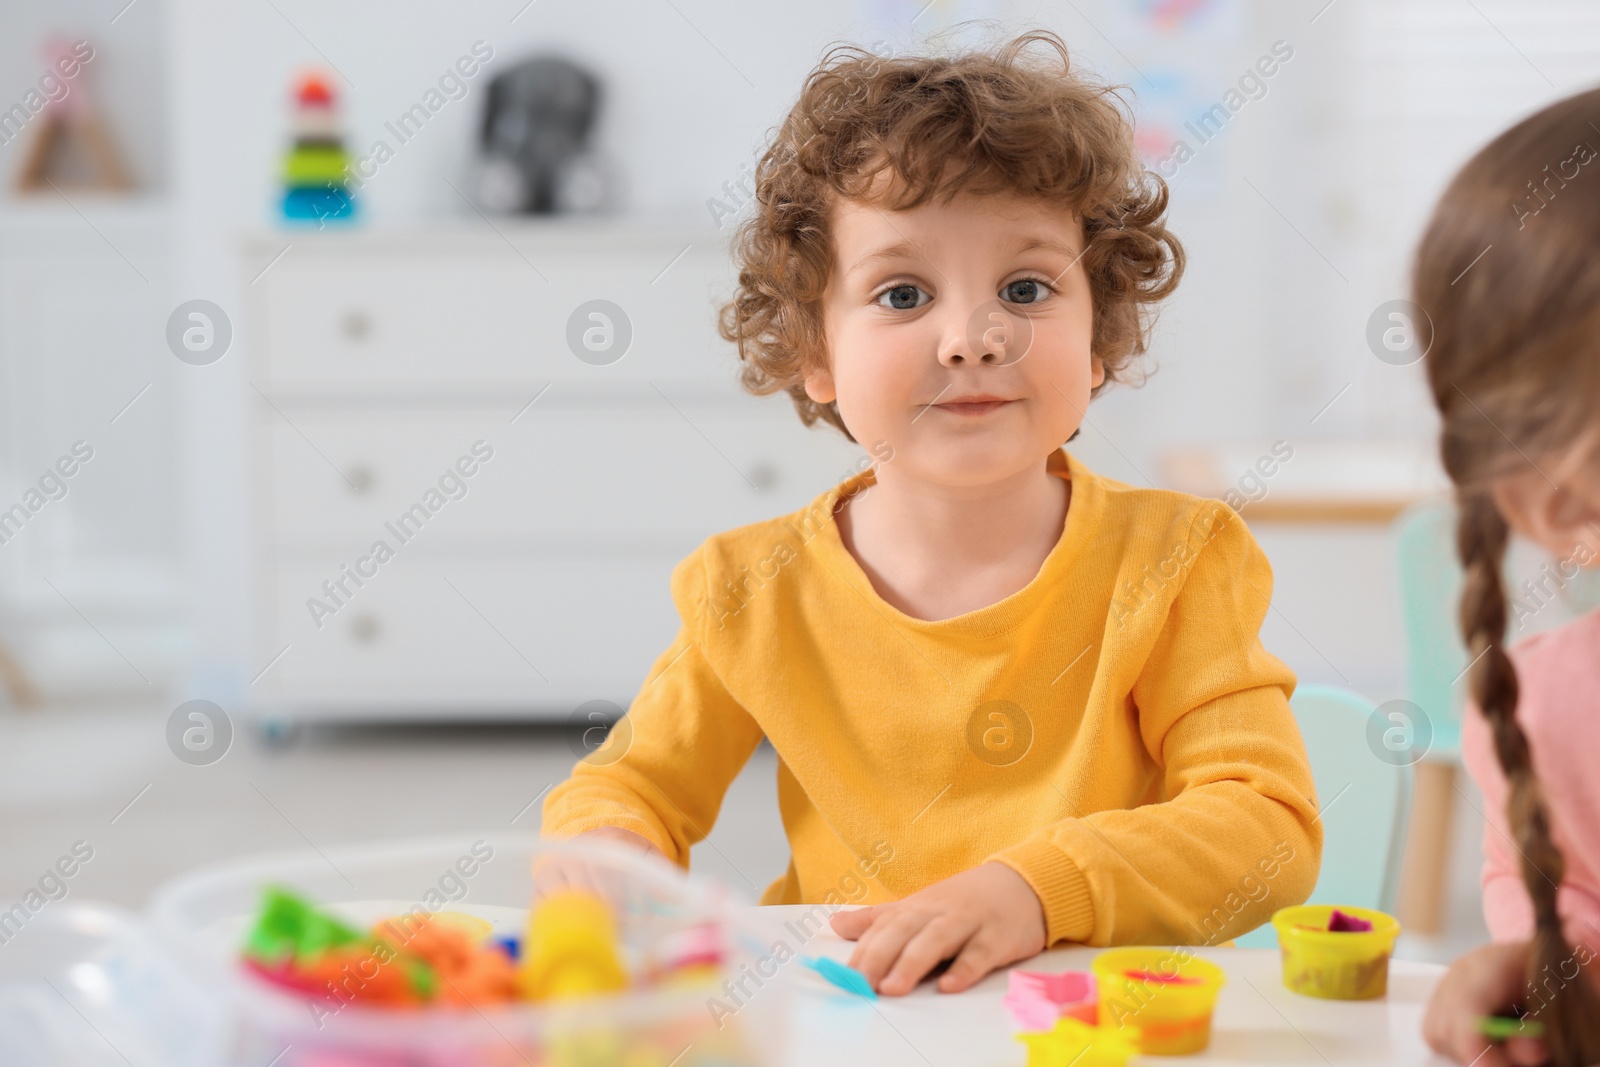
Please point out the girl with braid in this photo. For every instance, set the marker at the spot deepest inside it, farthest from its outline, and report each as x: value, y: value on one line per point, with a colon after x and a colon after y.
x: 1509, y: 275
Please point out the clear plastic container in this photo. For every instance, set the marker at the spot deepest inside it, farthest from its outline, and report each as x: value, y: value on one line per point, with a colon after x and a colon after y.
x: 206, y: 915
x: 85, y: 985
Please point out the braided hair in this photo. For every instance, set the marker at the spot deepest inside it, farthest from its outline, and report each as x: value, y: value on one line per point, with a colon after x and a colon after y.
x: 1510, y: 293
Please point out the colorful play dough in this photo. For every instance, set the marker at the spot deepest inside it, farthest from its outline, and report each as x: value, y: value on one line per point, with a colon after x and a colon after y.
x: 1341, y: 923
x: 570, y: 949
x: 452, y: 960
x: 294, y: 945
x: 1036, y: 999
x: 692, y: 957
x: 470, y: 973
x: 1074, y: 1043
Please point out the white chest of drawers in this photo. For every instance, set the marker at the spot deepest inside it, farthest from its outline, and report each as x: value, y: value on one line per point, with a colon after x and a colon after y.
x: 417, y: 391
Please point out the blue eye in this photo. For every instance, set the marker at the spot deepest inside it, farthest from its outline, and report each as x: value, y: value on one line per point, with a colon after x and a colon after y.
x: 1027, y: 291
x: 902, y: 297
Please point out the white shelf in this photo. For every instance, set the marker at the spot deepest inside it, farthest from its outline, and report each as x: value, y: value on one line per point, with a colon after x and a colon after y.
x: 47, y: 208
x: 473, y: 233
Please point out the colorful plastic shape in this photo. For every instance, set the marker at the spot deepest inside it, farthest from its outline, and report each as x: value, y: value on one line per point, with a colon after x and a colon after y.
x: 846, y: 978
x: 471, y: 972
x: 1037, y: 999
x: 696, y: 945
x: 1074, y: 1043
x: 316, y: 169
x: 692, y: 956
x: 1505, y: 1027
x: 1319, y: 961
x: 329, y: 977
x: 571, y: 949
x: 314, y: 91
x: 296, y: 945
x: 288, y: 926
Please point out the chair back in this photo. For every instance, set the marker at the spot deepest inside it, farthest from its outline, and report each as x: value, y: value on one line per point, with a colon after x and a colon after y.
x: 1430, y: 590
x: 1365, y: 803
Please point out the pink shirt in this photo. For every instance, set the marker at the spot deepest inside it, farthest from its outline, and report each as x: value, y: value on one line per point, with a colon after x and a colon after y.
x: 1559, y: 709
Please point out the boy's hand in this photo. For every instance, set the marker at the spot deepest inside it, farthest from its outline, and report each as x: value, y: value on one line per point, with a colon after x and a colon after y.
x: 558, y: 871
x: 986, y: 918
x: 1486, y: 981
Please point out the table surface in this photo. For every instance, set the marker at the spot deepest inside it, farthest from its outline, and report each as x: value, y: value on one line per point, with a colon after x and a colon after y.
x: 1257, y: 1020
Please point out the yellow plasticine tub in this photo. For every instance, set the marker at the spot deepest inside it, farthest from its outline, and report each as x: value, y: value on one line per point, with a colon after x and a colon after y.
x: 1337, y: 966
x: 1164, y: 996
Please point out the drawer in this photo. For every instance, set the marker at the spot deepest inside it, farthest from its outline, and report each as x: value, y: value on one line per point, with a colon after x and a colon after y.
x: 468, y: 633
x: 612, y: 476
x: 459, y: 322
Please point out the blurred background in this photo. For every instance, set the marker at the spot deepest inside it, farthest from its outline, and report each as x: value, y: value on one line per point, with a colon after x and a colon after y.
x: 280, y: 281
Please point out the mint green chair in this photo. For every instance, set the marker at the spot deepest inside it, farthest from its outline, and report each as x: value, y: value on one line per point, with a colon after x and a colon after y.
x: 1430, y: 591
x: 1430, y: 581
x: 1365, y: 805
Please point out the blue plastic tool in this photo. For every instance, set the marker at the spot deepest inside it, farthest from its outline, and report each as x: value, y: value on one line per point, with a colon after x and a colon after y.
x: 846, y: 978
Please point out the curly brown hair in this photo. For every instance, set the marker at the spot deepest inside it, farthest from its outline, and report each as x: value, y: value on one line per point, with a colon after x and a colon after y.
x: 979, y: 122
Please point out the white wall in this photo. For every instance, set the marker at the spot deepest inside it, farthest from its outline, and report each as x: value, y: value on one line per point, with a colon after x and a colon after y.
x: 1344, y: 152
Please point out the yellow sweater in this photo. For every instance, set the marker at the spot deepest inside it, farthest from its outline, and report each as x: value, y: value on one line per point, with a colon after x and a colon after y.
x: 1113, y: 731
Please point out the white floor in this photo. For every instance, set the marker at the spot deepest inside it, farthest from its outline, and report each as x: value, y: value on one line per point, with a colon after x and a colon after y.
x: 104, y: 775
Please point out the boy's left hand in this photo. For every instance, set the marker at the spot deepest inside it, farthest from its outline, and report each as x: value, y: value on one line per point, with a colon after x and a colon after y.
x: 986, y: 918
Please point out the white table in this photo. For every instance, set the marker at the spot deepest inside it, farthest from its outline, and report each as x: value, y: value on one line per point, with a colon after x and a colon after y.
x: 1257, y: 1020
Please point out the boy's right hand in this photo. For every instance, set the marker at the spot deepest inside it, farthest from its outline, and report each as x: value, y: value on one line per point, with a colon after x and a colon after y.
x: 1486, y: 981
x: 557, y: 870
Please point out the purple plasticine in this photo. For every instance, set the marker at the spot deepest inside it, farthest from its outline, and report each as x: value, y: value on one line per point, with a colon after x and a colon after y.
x: 1340, y: 923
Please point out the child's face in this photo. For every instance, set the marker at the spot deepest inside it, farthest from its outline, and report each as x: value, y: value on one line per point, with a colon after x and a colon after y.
x: 946, y: 301
x: 1556, y: 504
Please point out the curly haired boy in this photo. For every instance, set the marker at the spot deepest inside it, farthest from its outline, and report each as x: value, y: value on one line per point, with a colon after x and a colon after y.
x: 1014, y: 703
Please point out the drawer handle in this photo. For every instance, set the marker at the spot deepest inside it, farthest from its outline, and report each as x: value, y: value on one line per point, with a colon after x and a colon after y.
x: 356, y: 325
x: 361, y: 478
x: 365, y: 629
